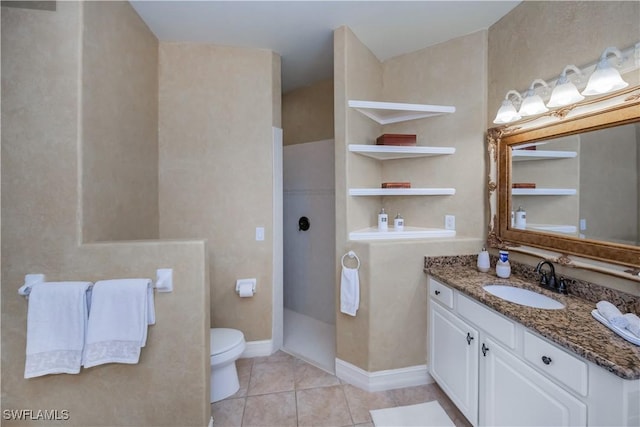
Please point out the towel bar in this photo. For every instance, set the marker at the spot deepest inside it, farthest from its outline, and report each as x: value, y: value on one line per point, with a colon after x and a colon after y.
x: 163, y: 283
x: 350, y: 254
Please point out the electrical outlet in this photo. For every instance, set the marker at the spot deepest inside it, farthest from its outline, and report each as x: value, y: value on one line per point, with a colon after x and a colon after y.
x: 449, y: 222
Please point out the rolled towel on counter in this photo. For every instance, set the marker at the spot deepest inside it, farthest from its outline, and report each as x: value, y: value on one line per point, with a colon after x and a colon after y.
x: 612, y: 314
x: 634, y: 324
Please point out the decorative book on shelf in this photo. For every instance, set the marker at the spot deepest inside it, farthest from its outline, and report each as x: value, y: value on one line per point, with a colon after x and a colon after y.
x: 523, y: 185
x: 396, y: 185
x: 396, y: 139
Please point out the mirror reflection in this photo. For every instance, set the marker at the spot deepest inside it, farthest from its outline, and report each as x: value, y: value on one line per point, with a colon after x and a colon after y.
x: 584, y: 185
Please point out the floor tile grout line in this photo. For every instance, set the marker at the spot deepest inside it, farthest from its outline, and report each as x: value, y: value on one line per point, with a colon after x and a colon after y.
x: 348, y: 406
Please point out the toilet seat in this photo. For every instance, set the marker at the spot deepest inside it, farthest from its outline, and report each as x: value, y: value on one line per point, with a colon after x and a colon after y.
x: 225, y: 339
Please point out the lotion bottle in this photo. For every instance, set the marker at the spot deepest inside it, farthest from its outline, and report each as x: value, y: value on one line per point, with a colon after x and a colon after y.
x: 483, y: 261
x: 383, y: 221
x: 398, y: 223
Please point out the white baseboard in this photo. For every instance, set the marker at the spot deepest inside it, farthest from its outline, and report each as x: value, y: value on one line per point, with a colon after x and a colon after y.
x: 383, y: 380
x: 258, y: 349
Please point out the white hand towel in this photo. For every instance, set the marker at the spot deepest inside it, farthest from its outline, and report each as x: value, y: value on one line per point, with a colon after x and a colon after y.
x: 349, y: 291
x: 612, y: 314
x: 634, y: 324
x: 121, y: 311
x: 56, y: 324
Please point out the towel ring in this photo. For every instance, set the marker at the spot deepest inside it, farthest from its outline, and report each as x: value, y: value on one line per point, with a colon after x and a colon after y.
x: 350, y: 254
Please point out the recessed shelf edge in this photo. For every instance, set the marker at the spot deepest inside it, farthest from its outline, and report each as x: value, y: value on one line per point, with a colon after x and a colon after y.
x: 393, y: 112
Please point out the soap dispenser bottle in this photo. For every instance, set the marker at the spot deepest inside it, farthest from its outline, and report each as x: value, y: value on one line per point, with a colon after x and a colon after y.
x: 503, y: 268
x: 483, y: 261
x: 383, y: 221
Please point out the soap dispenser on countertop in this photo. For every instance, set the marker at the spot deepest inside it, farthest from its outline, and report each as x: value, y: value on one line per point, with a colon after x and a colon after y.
x: 483, y: 261
x: 503, y: 268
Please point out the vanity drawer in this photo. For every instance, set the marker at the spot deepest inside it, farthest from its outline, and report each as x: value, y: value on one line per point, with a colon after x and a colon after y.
x: 441, y: 293
x: 557, y: 363
x: 493, y: 323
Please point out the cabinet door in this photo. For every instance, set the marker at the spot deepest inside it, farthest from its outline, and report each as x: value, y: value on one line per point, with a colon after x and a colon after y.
x: 453, y: 353
x: 514, y: 394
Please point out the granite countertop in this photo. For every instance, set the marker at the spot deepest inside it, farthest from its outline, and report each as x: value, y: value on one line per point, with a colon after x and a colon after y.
x: 572, y: 328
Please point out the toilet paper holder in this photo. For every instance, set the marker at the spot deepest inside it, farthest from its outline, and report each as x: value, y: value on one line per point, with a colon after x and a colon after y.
x: 243, y: 283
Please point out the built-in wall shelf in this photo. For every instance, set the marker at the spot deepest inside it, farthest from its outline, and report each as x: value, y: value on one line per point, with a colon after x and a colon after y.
x: 543, y: 192
x: 402, y: 191
x: 565, y: 229
x: 523, y: 155
x: 392, y: 112
x: 390, y: 152
x: 372, y: 233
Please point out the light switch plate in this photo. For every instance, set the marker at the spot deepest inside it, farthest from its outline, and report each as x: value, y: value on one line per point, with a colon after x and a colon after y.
x: 259, y: 233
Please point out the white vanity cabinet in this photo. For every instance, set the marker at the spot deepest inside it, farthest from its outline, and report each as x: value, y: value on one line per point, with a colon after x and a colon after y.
x: 499, y: 373
x: 514, y: 394
x: 454, y: 359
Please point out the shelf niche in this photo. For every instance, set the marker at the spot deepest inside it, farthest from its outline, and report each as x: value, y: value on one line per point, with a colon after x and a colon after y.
x: 386, y: 113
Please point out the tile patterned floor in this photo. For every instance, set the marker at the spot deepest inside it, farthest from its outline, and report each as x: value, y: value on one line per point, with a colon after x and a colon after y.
x: 281, y: 391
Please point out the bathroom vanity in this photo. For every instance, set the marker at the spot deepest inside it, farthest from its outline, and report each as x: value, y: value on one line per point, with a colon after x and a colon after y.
x: 503, y: 363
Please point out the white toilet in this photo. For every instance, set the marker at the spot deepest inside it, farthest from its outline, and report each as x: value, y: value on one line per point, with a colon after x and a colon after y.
x: 226, y: 346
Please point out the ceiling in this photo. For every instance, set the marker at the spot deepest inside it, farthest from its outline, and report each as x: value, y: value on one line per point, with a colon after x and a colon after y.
x: 302, y: 31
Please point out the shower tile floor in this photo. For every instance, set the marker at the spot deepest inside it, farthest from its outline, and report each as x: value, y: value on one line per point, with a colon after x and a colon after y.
x: 281, y: 390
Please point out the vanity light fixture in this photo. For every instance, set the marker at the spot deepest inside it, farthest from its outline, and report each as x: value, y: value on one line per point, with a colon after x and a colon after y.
x: 565, y: 92
x: 532, y: 103
x: 605, y: 78
x: 507, y: 112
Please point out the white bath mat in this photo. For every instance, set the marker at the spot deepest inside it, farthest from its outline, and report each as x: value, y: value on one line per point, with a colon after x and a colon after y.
x: 428, y: 414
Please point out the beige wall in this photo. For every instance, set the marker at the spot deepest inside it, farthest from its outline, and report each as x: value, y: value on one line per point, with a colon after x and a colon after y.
x: 537, y: 39
x: 216, y: 169
x: 42, y: 176
x: 357, y: 75
x: 393, y: 311
x: 307, y: 113
x: 119, y: 125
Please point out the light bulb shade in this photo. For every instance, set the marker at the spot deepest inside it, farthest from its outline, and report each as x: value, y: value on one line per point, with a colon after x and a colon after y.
x: 564, y: 94
x: 604, y: 79
x: 532, y: 104
x: 507, y: 113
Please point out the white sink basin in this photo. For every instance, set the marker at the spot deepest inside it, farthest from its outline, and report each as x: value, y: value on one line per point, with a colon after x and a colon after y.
x: 523, y: 297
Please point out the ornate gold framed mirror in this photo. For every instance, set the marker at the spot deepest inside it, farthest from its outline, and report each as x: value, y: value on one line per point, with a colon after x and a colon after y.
x: 571, y: 178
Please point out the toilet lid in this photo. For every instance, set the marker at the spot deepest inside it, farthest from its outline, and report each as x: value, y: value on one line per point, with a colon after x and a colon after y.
x: 224, y: 339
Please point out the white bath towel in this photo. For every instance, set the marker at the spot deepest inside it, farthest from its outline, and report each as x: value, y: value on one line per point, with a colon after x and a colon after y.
x: 121, y: 311
x: 612, y: 314
x: 634, y: 323
x: 349, y: 291
x: 56, y: 324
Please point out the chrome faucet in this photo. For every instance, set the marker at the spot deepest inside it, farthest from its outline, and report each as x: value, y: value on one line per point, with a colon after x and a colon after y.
x: 550, y: 282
